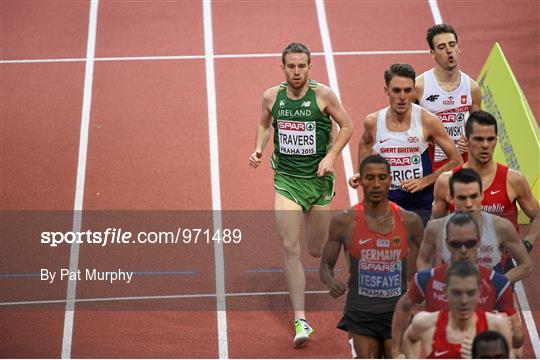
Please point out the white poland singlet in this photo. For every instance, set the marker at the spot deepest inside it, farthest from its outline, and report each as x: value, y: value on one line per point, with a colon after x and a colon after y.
x: 451, y: 107
x: 488, y: 254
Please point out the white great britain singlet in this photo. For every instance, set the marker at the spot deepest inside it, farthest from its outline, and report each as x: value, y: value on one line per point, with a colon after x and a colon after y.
x: 452, y: 109
x: 406, y: 152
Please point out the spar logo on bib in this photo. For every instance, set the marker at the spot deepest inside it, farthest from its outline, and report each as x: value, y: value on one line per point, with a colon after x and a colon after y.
x: 399, y: 161
x: 403, y: 160
x: 379, y: 278
x: 297, y: 137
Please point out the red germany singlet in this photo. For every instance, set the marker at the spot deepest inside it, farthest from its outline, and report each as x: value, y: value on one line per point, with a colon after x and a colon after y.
x: 440, y: 347
x: 378, y: 265
x: 496, y: 200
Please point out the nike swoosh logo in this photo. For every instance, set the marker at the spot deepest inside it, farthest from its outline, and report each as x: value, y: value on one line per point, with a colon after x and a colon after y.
x: 440, y: 353
x: 495, y: 192
x: 362, y: 242
x: 383, y: 141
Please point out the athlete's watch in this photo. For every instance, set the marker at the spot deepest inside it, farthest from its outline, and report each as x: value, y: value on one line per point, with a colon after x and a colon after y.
x: 528, y: 245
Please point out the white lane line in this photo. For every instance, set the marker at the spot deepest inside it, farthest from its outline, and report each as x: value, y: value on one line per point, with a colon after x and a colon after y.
x: 218, y: 56
x: 215, y: 179
x: 437, y: 18
x: 81, y: 173
x: 528, y: 317
x: 156, y: 297
x: 333, y: 82
x: 32, y: 61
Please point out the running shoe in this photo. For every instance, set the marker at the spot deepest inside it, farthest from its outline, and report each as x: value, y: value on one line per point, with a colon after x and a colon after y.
x: 303, y: 330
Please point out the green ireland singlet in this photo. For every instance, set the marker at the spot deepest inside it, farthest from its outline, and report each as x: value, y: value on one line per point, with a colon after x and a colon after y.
x: 302, y: 133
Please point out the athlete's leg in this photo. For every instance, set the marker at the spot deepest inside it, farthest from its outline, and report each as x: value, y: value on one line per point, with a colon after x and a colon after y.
x: 387, y: 348
x: 366, y: 347
x: 317, y: 223
x: 289, y: 221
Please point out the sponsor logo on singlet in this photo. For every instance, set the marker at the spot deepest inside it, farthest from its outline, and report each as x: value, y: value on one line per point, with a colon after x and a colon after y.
x: 440, y: 353
x: 403, y: 160
x: 432, y: 98
x: 495, y: 209
x: 449, y: 101
x: 297, y: 137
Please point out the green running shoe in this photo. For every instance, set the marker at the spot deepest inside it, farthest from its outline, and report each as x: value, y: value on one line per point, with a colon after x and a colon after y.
x: 303, y: 330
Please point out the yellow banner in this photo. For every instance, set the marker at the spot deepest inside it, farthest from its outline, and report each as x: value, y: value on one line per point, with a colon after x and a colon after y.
x: 518, y: 145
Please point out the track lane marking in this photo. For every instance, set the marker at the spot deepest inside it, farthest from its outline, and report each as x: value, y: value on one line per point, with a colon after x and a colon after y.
x: 528, y: 318
x: 333, y: 82
x: 435, y: 11
x: 215, y: 179
x: 155, y: 297
x: 81, y: 173
x: 218, y: 56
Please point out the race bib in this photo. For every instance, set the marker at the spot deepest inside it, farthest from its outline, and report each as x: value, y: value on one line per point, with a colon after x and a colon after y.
x: 297, y: 137
x: 454, y: 124
x: 404, y: 168
x: 379, y: 279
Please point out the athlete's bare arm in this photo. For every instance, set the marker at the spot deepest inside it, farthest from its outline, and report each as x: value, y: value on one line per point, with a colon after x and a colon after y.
x: 400, y: 321
x: 367, y: 140
x: 415, y: 231
x: 330, y: 105
x: 428, y: 249
x: 499, y: 323
x: 508, y: 237
x: 418, y: 89
x: 520, y: 190
x: 337, y: 237
x: 263, y: 129
x: 414, y: 226
x: 441, y: 196
x: 417, y: 333
x: 463, y: 144
x: 434, y: 132
x: 476, y: 96
x: 365, y: 145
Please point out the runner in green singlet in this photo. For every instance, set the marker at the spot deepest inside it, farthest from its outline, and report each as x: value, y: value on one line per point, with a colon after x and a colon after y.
x: 301, y: 112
